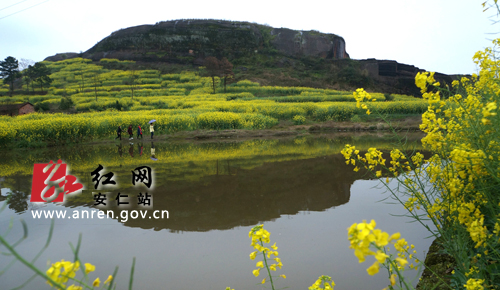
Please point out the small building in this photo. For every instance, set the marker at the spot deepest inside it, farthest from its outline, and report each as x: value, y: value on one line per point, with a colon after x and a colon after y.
x: 17, y: 109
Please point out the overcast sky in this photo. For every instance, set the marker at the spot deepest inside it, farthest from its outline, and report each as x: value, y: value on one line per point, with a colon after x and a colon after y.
x: 435, y: 35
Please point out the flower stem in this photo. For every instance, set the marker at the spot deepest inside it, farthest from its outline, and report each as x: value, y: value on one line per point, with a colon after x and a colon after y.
x: 267, y: 267
x: 29, y: 265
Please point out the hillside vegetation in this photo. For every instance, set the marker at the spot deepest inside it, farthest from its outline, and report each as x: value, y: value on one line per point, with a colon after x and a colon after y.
x: 105, y: 95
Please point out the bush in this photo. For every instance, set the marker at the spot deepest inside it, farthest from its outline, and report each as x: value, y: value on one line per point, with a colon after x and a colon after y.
x: 219, y: 120
x: 41, y: 107
x: 66, y: 103
x: 118, y: 106
x: 299, y: 120
x: 356, y: 118
x: 389, y: 97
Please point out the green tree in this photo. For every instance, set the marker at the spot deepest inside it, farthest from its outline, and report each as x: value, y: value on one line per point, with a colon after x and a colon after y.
x: 29, y: 77
x: 41, y: 74
x: 9, y: 71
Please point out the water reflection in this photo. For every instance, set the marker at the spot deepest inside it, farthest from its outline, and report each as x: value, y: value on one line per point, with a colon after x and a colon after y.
x: 153, y: 152
x: 17, y: 196
x: 235, y: 196
x: 209, y: 188
x: 233, y: 183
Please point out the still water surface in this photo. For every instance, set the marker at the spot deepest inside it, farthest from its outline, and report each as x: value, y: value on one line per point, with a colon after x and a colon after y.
x: 214, y: 192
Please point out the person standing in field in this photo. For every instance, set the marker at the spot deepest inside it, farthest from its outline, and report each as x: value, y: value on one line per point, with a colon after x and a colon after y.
x: 119, y: 132
x: 139, y: 131
x: 130, y: 132
x: 152, y: 130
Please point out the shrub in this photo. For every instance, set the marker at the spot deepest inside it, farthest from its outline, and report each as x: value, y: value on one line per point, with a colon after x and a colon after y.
x: 66, y: 103
x: 356, y: 118
x: 299, y: 120
x: 41, y: 107
x: 389, y: 97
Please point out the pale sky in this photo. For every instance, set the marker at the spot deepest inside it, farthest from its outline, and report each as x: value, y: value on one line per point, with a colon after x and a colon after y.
x: 434, y: 35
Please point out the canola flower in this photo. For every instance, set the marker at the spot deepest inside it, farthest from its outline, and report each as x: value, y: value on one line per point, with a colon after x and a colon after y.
x: 62, y: 271
x: 259, y: 237
x: 323, y: 283
x: 474, y: 284
x: 366, y: 241
x: 457, y: 185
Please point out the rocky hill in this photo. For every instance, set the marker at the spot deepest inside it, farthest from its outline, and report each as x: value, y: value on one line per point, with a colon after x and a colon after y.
x: 177, y: 40
x: 271, y: 56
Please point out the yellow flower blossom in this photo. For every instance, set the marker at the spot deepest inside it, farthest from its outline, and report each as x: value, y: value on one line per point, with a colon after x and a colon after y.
x: 393, y: 279
x: 256, y: 272
x: 373, y: 269
x: 89, y: 268
x: 96, y: 282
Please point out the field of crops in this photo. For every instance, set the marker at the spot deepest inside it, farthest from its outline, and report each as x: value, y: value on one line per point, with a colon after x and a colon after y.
x: 107, y: 98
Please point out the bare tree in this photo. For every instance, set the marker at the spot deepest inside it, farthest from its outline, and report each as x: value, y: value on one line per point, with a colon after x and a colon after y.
x: 81, y: 74
x: 226, y: 69
x: 213, y: 68
x: 24, y: 64
x: 96, y: 81
x: 131, y: 81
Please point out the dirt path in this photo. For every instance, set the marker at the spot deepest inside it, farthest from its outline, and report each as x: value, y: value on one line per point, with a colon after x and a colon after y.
x: 281, y: 131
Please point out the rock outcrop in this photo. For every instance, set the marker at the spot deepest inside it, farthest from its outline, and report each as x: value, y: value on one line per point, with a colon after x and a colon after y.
x: 308, y: 43
x: 62, y: 56
x: 398, y: 77
x: 196, y: 39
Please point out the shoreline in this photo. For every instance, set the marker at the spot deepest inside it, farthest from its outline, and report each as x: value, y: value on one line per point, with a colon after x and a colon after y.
x: 410, y: 124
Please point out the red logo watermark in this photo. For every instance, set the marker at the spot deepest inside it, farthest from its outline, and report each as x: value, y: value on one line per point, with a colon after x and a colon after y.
x: 51, y: 182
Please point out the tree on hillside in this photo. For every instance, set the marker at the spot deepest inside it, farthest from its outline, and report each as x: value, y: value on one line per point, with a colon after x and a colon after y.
x: 213, y: 68
x: 96, y: 81
x: 29, y: 77
x: 41, y: 74
x: 81, y: 83
x: 131, y: 81
x: 9, y: 71
x: 226, y: 69
x: 24, y: 64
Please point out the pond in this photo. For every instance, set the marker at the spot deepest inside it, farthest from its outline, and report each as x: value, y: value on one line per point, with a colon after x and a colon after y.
x: 211, y: 194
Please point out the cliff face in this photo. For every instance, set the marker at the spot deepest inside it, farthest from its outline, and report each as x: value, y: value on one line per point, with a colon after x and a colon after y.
x: 309, y: 43
x: 398, y: 77
x: 197, y: 39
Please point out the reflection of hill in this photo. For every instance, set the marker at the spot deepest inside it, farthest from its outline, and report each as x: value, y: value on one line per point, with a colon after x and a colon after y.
x: 243, y: 197
x: 207, y: 186
x: 19, y: 193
